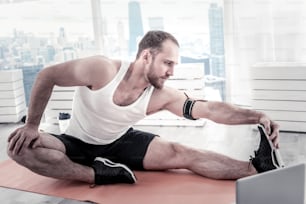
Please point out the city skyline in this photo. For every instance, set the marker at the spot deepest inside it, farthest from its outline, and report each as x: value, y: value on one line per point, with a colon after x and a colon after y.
x: 53, y: 43
x: 192, y: 43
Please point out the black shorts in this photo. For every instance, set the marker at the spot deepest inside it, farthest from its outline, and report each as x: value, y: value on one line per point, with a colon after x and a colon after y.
x: 129, y: 149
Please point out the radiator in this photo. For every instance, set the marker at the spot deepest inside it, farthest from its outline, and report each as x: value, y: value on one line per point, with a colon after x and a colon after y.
x: 279, y: 90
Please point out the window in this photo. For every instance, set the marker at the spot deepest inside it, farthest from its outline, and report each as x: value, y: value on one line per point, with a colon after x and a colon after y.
x: 35, y: 34
x: 264, y: 31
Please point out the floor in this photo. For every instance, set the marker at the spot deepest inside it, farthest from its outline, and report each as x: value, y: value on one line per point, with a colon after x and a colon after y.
x: 236, y: 141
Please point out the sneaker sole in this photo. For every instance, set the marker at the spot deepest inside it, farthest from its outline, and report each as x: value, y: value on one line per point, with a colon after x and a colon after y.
x: 109, y: 163
x: 275, y: 154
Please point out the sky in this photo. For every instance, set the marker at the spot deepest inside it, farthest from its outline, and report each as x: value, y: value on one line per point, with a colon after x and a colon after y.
x: 43, y: 17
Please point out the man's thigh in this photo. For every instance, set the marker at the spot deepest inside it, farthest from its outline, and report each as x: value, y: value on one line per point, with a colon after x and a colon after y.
x: 52, y: 142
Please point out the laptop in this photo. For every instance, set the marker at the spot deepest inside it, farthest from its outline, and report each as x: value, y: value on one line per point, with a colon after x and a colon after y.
x: 280, y: 186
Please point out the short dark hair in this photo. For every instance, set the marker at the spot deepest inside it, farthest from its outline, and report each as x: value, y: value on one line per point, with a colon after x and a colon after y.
x: 153, y: 40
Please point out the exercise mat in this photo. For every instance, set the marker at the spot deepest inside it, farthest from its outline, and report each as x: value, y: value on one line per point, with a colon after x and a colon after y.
x: 152, y: 187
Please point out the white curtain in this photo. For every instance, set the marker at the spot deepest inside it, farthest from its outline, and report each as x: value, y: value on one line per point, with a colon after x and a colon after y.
x: 260, y: 31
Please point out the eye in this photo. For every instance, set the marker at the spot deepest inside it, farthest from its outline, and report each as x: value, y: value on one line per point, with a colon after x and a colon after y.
x: 169, y: 63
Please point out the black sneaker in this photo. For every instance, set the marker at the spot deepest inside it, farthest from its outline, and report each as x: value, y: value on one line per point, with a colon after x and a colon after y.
x: 267, y: 156
x: 108, y: 172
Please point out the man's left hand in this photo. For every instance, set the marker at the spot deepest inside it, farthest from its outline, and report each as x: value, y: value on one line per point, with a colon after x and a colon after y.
x: 272, y: 129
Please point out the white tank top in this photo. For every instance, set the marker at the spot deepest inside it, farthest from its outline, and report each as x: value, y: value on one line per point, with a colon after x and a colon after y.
x: 97, y: 120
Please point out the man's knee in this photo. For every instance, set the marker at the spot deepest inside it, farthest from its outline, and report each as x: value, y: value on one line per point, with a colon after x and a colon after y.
x: 32, y: 158
x: 23, y: 158
x: 179, y: 153
x: 9, y: 153
x: 178, y: 149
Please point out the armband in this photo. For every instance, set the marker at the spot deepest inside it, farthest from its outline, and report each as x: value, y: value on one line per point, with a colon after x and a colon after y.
x: 187, y: 108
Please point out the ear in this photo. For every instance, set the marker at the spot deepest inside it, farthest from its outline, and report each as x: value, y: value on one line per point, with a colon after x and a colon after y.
x: 146, y: 55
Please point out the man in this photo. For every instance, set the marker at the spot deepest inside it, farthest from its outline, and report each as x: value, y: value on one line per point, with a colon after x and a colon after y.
x: 100, y: 146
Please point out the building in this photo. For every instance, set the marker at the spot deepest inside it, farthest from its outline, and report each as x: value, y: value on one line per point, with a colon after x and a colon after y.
x: 29, y: 75
x: 216, y: 33
x: 135, y: 26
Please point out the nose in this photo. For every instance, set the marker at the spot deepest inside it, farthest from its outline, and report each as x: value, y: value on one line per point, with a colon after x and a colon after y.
x: 170, y: 71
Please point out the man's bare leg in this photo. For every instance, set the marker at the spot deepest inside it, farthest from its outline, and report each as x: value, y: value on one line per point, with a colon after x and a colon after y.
x: 50, y: 160
x: 162, y: 155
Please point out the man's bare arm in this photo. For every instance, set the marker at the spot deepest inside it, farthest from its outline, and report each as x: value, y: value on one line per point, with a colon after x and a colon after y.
x: 71, y: 73
x: 221, y: 112
x: 225, y: 113
x: 82, y: 72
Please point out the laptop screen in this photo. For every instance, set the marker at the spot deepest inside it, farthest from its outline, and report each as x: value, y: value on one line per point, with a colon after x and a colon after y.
x: 280, y: 186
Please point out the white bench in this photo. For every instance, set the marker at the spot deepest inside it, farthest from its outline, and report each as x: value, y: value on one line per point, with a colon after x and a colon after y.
x: 60, y: 101
x: 12, y: 98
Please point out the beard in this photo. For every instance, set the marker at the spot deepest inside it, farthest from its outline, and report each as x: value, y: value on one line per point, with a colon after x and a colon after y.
x: 154, y: 80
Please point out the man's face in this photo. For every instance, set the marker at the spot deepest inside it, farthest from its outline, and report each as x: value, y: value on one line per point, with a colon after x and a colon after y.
x: 162, y: 65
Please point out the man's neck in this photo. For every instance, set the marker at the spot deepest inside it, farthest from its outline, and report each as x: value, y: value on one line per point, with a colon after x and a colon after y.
x: 135, y: 77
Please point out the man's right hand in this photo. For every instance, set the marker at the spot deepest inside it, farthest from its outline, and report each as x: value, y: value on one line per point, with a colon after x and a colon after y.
x: 22, y: 138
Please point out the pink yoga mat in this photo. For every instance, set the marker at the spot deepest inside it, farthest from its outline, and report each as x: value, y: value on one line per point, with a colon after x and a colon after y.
x: 179, y: 187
